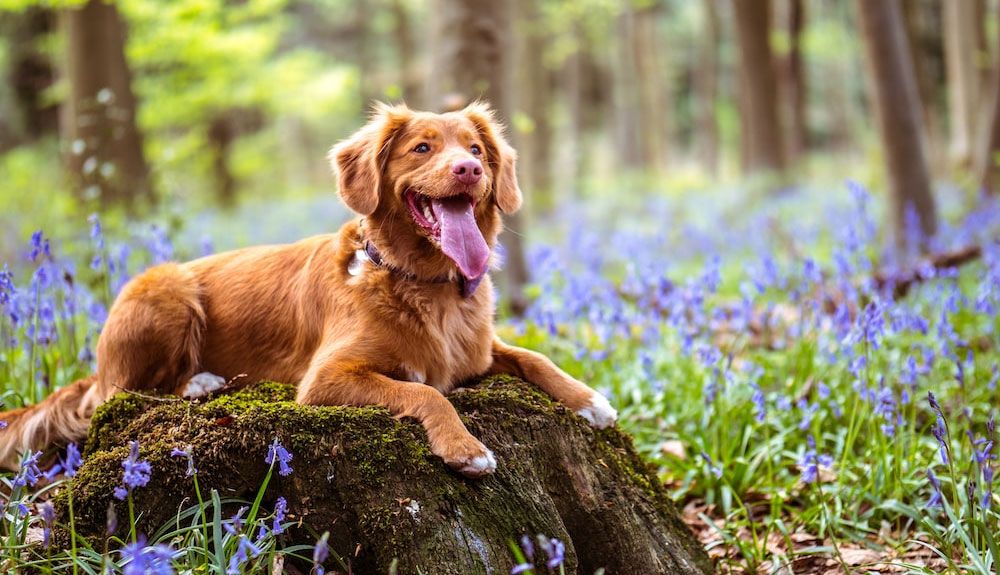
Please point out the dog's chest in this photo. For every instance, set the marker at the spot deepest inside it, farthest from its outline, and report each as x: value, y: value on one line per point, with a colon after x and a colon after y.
x: 449, y: 345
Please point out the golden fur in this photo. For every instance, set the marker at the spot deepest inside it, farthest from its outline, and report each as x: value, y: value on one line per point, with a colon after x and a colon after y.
x: 295, y: 313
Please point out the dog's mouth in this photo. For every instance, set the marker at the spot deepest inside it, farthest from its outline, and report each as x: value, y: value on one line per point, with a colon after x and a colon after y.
x: 450, y: 223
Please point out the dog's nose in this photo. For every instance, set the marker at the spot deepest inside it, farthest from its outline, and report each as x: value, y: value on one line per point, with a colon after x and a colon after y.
x: 467, y: 171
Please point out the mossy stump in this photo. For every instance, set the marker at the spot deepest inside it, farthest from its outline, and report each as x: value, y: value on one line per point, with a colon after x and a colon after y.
x: 371, y: 481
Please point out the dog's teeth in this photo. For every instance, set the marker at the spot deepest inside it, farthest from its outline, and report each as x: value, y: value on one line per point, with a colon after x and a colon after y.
x: 428, y: 214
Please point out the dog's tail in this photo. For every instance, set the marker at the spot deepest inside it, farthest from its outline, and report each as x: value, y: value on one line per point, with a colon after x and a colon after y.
x: 62, y: 417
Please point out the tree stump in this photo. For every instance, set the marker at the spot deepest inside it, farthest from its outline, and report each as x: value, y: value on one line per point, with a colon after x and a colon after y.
x: 371, y: 481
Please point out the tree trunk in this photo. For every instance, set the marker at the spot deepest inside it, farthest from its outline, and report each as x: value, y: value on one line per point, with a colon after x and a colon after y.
x: 472, y: 62
x: 963, y: 76
x: 706, y: 79
x: 221, y: 133
x: 406, y: 51
x: 794, y: 83
x: 640, y: 103
x: 535, y: 141
x: 29, y: 74
x: 988, y: 156
x: 758, y: 85
x: 370, y: 480
x: 893, y: 89
x: 103, y: 144
x: 925, y: 51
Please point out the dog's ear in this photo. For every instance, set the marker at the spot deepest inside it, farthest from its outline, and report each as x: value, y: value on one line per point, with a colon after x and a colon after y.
x: 360, y: 160
x: 499, y: 155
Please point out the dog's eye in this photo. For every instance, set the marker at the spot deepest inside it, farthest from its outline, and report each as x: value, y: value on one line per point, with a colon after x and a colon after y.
x: 422, y: 148
x: 475, y: 149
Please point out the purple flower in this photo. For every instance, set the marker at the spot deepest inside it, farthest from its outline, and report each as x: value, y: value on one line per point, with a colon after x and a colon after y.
x: 280, y: 509
x: 810, y: 462
x: 936, y: 499
x: 320, y: 552
x: 556, y: 552
x: 528, y: 547
x: 39, y: 247
x: 178, y: 452
x: 28, y: 474
x: 235, y: 525
x: 136, y: 472
x: 712, y: 467
x: 48, y: 513
x: 73, y: 460
x: 277, y: 451
x: 143, y: 560
x: 245, y: 550
x: 521, y: 568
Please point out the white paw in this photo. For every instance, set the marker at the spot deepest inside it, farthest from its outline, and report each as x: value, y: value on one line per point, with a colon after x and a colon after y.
x: 203, y: 384
x: 481, y: 465
x: 599, y: 412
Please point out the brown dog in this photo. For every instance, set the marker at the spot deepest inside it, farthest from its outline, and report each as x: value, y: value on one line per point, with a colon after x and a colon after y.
x: 396, y: 309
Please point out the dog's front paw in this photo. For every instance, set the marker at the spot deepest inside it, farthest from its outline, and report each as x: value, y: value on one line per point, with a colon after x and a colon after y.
x: 467, y: 456
x: 598, y: 412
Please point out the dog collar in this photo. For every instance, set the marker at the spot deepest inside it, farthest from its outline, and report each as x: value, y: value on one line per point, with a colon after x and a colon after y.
x: 370, y: 253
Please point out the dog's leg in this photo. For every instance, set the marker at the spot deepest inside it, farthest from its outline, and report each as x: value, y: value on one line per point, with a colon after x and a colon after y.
x: 346, y: 383
x: 538, y: 369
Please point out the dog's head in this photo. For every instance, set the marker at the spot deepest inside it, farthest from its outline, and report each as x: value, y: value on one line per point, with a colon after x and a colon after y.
x: 431, y: 185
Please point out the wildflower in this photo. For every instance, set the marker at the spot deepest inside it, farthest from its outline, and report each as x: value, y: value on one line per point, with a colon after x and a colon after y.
x: 48, y: 514
x: 936, y: 499
x: 712, y: 467
x: 556, y: 552
x: 143, y: 560
x: 136, y: 472
x: 280, y: 509
x: 245, y: 550
x: 810, y: 462
x: 7, y: 287
x: 178, y: 452
x: 39, y: 246
x: 320, y: 552
x: 111, y: 523
x: 277, y: 451
x: 235, y: 525
x: 521, y: 568
x: 72, y: 461
x: 28, y: 474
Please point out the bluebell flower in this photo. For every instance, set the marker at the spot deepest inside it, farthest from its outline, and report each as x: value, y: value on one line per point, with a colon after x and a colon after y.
x: 234, y: 525
x: 48, y: 514
x: 136, y: 472
x: 245, y: 550
x: 28, y: 473
x: 277, y: 452
x: 528, y: 547
x: 178, y: 452
x: 39, y: 247
x: 320, y: 552
x: 712, y: 467
x: 936, y: 498
x: 556, y: 552
x: 143, y: 560
x: 280, y: 509
x: 811, y: 461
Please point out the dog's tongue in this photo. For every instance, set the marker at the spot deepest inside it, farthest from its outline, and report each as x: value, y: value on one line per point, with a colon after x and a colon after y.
x: 461, y: 239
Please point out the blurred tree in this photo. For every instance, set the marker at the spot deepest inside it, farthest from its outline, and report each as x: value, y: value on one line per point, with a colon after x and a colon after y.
x: 988, y: 150
x: 533, y: 120
x: 893, y: 89
x: 706, y: 81
x: 104, y: 149
x: 923, y: 23
x: 472, y: 62
x: 406, y: 51
x: 793, y: 82
x: 641, y: 107
x: 30, y: 73
x: 963, y: 76
x: 758, y: 87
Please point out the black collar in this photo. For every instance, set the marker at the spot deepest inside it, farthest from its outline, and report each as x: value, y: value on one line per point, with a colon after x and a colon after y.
x: 465, y: 287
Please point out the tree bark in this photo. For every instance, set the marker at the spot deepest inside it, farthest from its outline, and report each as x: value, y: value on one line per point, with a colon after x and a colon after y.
x: 98, y: 123
x: 534, y: 143
x: 963, y: 76
x: 29, y: 74
x: 893, y: 89
x: 406, y: 51
x: 370, y: 480
x: 758, y: 86
x: 472, y: 62
x: 794, y: 83
x: 988, y: 150
x: 706, y: 79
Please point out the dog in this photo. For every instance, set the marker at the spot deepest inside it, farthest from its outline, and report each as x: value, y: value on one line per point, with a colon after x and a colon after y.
x: 396, y: 309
